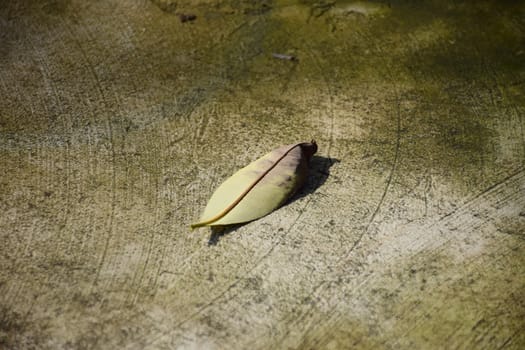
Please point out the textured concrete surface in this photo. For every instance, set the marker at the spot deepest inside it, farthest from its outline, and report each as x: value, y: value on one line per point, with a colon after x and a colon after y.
x: 118, y: 120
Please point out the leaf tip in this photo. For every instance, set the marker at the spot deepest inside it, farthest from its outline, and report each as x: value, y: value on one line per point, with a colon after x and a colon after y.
x: 309, y: 148
x: 197, y: 225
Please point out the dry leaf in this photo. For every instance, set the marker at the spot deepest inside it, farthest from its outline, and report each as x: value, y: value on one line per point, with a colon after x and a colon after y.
x: 260, y: 187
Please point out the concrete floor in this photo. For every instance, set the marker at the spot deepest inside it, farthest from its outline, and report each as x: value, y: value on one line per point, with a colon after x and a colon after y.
x: 118, y: 120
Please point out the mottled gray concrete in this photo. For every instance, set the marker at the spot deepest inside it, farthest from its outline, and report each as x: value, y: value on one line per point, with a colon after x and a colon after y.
x: 117, y: 121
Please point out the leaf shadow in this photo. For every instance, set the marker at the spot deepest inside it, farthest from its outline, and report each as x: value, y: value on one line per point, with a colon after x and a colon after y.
x: 319, y: 173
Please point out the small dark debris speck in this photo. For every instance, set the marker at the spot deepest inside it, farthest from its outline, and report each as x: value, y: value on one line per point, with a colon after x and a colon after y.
x: 187, y: 17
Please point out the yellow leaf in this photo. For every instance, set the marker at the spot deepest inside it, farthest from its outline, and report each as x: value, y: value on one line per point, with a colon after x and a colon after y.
x: 260, y: 187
